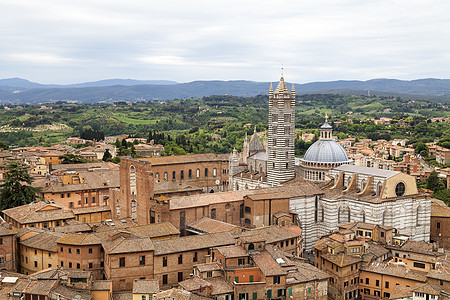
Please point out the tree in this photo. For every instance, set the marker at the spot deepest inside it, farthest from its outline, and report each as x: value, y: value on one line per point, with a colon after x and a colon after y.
x: 434, y: 183
x: 422, y: 149
x: 107, y: 155
x: 16, y: 190
x: 72, y: 159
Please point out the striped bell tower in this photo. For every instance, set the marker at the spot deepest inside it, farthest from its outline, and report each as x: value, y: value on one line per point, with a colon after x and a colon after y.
x: 281, y: 162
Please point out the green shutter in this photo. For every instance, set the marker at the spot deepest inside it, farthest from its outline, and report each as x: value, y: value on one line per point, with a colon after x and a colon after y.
x: 236, y: 279
x: 309, y: 290
x: 255, y: 296
x: 290, y: 291
x: 269, y: 293
x: 251, y: 278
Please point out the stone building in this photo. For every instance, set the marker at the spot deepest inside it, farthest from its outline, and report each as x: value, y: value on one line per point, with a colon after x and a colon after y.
x: 8, y: 248
x: 322, y: 156
x: 261, y: 166
x: 365, y: 194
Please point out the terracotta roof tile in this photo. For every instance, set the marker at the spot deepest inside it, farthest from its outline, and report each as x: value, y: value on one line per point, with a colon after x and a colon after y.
x: 232, y: 251
x: 127, y: 245
x: 186, y: 159
x: 219, y: 286
x: 43, y: 241
x: 39, y: 212
x: 267, y: 264
x: 208, y: 225
x: 148, y: 286
x: 192, y: 242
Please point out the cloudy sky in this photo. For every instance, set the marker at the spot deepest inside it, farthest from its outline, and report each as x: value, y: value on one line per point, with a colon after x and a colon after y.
x: 60, y: 41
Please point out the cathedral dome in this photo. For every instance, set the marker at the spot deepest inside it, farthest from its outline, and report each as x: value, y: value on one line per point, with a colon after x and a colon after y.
x: 326, y: 151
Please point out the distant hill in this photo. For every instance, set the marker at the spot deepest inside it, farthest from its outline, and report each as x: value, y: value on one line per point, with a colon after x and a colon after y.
x: 16, y: 90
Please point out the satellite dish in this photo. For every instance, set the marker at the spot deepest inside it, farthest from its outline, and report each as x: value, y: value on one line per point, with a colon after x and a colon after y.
x: 217, y: 181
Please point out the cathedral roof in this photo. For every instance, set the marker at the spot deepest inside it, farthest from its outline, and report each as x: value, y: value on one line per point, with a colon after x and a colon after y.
x: 326, y: 151
x: 255, y: 143
x: 282, y: 87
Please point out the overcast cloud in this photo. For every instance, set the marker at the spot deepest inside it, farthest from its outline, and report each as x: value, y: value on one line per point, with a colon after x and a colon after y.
x: 59, y: 41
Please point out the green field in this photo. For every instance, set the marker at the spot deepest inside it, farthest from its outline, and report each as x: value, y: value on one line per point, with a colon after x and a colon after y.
x: 134, y: 121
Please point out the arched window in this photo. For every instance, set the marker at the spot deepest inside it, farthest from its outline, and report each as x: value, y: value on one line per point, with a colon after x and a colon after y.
x: 251, y: 247
x: 133, y: 180
x: 400, y: 189
x: 237, y: 186
x: 174, y: 175
x: 379, y: 188
x: 198, y: 173
x: 213, y: 213
x: 248, y: 210
x: 133, y: 209
x: 157, y: 176
x: 215, y: 172
x: 190, y: 174
x: 363, y: 184
x: 117, y: 208
x: 166, y: 176
x: 363, y: 216
x: 206, y: 172
x: 182, y: 175
x: 418, y: 215
x: 246, y: 186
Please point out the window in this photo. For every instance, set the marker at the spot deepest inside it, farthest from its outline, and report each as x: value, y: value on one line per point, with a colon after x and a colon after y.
x: 78, y: 266
x: 70, y: 265
x: 382, y: 234
x: 194, y: 258
x: 70, y: 204
x: 269, y: 293
x: 62, y: 264
x: 61, y: 249
x: 367, y: 291
x: 419, y: 265
x: 182, y: 175
x: 276, y: 279
x: 282, y: 292
x: 387, y: 295
x: 180, y: 276
x: 377, y: 293
x: 275, y: 118
x: 164, y: 279
x: 241, y: 261
x: 255, y: 296
x: 122, y: 262
x: 377, y: 282
x: 386, y: 284
x: 214, y: 172
x: 78, y: 251
x: 86, y: 200
x: 164, y: 261
x: 250, y: 278
x: 62, y: 195
x: 70, y: 250
x: 367, y: 280
x: 213, y: 213
x: 142, y: 260
x: 236, y: 279
x: 144, y: 297
x: 209, y: 274
x: 174, y: 175
x: 93, y: 199
x: 287, y: 130
x: 400, y: 189
x: 35, y: 264
x: 157, y: 176
x: 166, y: 176
x: 287, y: 118
x: 438, y: 225
x: 206, y: 172
x: 49, y: 265
x: 180, y: 259
x: 190, y: 174
x: 198, y: 173
x: 90, y: 250
x: 90, y: 265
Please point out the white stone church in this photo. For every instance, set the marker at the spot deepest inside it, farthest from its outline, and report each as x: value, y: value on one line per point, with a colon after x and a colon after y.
x: 350, y: 193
